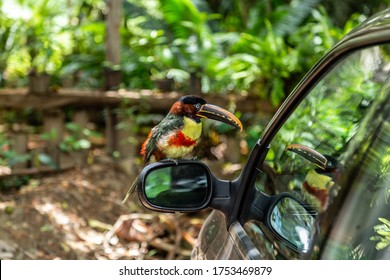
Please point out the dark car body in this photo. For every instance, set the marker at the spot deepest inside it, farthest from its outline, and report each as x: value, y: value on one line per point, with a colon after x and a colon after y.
x: 317, y: 183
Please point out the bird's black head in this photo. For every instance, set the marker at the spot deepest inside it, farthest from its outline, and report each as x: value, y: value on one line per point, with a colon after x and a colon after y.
x: 195, y: 107
x: 194, y: 100
x: 188, y: 106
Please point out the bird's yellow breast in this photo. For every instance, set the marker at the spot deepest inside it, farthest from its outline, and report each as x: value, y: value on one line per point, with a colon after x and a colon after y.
x: 191, y: 128
x: 178, y: 143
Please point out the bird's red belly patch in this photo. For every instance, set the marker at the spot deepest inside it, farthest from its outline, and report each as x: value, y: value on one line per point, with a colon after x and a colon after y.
x: 321, y: 195
x: 179, y: 139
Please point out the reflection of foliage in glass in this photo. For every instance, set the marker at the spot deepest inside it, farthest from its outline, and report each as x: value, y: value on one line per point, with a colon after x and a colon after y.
x: 381, y: 160
x: 383, y: 231
x: 367, y: 172
x: 158, y: 181
x: 345, y: 117
x: 177, y: 186
x: 327, y: 119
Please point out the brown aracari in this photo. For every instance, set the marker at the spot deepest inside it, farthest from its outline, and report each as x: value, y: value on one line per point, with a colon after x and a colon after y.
x: 178, y: 133
x: 319, y: 182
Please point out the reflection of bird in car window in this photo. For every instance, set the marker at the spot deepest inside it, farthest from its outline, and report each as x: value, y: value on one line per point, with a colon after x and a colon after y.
x: 320, y: 181
x: 315, y: 190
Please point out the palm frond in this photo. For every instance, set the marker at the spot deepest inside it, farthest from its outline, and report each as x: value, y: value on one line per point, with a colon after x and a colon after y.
x: 289, y: 17
x: 182, y: 16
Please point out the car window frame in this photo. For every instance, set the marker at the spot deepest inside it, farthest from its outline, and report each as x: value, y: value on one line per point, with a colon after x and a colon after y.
x: 368, y: 35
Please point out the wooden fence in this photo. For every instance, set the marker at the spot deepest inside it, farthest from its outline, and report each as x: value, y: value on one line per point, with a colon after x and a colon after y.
x: 86, y: 103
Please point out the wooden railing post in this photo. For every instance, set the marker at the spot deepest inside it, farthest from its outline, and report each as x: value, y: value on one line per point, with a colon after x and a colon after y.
x: 110, y: 122
x: 80, y: 118
x: 125, y: 144
x: 53, y: 125
x: 19, y: 139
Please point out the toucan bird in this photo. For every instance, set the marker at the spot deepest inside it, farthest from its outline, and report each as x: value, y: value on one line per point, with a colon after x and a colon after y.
x: 178, y: 133
x: 318, y: 183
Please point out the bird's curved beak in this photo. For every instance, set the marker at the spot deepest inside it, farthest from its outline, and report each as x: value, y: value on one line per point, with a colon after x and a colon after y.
x: 214, y: 112
x: 309, y: 154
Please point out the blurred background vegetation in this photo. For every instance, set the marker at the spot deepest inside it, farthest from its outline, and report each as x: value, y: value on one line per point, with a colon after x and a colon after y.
x: 244, y: 47
x: 250, y: 49
x: 222, y: 47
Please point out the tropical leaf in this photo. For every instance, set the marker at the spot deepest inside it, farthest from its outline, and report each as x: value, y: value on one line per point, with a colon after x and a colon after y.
x: 289, y: 17
x: 182, y: 16
x: 383, y: 231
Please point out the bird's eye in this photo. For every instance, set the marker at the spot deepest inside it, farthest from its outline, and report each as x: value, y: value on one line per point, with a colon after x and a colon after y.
x: 197, y: 106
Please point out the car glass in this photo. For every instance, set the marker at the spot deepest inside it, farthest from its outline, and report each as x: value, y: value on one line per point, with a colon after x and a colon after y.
x: 333, y: 153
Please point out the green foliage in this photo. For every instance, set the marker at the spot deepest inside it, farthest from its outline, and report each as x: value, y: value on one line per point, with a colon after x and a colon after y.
x: 260, y: 47
x: 328, y: 124
x: 83, y: 64
x: 8, y: 157
x: 344, y: 117
x: 8, y: 41
x: 13, y: 182
x: 145, y: 45
x: 49, y: 136
x: 184, y: 18
x: 78, y: 138
x: 41, y: 36
x: 289, y: 17
x: 383, y: 231
x: 196, y: 50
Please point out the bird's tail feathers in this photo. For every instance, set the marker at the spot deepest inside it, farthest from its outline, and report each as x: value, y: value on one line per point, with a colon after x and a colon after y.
x: 131, y: 190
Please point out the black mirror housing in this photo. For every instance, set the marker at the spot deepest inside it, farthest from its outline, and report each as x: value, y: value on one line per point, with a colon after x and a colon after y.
x: 176, y: 186
x: 189, y: 185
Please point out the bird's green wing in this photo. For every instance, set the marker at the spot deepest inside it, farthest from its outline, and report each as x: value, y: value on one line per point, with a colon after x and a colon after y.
x: 169, y: 123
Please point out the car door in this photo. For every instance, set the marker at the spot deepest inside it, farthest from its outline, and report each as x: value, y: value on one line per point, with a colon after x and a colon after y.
x: 317, y: 182
x: 333, y: 154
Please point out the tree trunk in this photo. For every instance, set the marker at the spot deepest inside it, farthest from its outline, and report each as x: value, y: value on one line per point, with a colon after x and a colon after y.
x: 195, y: 83
x: 113, y: 44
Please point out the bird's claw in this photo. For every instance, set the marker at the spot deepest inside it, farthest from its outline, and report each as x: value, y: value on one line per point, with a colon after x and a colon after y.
x: 195, y: 158
x: 174, y: 160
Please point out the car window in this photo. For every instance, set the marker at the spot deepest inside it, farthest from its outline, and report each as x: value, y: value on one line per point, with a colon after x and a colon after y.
x: 333, y: 154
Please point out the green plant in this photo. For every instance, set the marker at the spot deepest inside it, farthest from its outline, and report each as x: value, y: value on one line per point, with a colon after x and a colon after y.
x: 8, y: 157
x: 248, y: 16
x: 38, y: 41
x: 165, y: 66
x: 318, y: 35
x: 41, y: 36
x: 8, y: 41
x: 191, y: 36
x: 83, y: 66
x: 162, y: 60
x: 79, y: 29
x: 383, y: 231
x: 141, y: 36
x: 78, y: 138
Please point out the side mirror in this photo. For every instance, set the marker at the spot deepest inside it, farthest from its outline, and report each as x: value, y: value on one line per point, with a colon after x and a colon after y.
x: 292, y: 222
x: 171, y: 187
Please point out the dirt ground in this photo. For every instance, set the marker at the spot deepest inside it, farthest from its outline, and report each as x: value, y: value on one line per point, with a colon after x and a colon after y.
x: 78, y: 214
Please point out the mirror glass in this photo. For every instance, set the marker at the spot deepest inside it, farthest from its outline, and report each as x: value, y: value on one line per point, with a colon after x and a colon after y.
x: 294, y: 223
x: 181, y: 186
